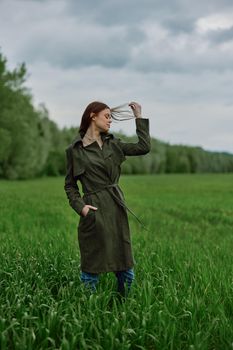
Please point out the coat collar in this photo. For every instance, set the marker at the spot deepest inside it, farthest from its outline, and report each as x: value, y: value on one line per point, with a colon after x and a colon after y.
x: 104, y: 136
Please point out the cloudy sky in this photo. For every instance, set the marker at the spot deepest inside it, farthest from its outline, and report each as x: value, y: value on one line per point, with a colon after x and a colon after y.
x: 174, y: 57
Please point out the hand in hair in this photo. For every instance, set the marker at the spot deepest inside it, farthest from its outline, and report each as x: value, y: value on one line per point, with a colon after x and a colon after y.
x: 136, y: 108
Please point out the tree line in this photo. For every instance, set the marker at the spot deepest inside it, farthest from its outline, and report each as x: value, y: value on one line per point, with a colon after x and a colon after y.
x: 32, y: 145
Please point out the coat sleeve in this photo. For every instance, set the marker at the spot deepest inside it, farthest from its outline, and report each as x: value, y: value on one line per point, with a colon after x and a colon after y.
x: 71, y: 187
x: 143, y: 145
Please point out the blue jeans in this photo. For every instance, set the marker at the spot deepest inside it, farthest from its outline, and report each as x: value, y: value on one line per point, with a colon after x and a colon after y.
x: 90, y: 280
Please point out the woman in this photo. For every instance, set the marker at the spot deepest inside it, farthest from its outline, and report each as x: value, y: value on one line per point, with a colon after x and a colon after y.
x: 94, y: 158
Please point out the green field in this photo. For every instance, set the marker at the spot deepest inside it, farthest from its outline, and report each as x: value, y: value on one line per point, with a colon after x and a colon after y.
x: 182, y: 297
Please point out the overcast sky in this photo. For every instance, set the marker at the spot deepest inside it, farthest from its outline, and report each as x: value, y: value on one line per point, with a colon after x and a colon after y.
x: 174, y: 57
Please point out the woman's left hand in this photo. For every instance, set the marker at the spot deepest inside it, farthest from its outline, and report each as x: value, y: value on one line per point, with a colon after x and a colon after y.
x: 136, y: 108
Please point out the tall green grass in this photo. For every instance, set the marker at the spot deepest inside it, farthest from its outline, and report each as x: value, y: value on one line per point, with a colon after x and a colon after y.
x: 182, y: 296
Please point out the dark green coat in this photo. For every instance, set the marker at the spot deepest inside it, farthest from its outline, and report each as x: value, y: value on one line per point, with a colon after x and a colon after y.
x: 103, y: 235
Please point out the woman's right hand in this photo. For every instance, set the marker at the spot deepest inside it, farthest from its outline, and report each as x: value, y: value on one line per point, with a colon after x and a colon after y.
x: 86, y: 209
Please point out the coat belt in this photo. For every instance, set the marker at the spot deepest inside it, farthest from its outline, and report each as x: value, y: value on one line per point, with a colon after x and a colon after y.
x: 119, y: 199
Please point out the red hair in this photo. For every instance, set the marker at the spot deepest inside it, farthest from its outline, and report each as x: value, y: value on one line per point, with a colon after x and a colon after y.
x: 93, y: 107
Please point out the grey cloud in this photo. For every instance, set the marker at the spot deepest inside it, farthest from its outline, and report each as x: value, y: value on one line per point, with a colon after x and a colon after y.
x: 136, y: 11
x: 183, y: 64
x: 178, y: 24
x: 220, y: 36
x: 122, y: 12
x: 99, y: 47
x: 113, y: 35
x: 116, y: 49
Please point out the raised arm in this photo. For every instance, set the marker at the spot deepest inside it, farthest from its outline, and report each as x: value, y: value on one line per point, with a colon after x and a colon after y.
x: 71, y: 187
x: 143, y: 145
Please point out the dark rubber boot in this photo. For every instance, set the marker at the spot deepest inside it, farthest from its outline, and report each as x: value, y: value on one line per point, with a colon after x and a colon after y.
x: 121, y: 294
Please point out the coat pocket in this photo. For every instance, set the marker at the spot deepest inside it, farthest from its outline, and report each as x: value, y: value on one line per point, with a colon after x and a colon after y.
x: 87, y: 223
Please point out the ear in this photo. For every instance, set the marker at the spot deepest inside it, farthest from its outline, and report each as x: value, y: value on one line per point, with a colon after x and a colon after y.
x: 92, y: 115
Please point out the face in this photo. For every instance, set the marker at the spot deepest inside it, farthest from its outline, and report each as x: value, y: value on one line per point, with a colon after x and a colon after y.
x: 103, y: 120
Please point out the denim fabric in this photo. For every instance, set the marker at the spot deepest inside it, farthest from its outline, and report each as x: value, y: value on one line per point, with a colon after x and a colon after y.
x: 90, y: 280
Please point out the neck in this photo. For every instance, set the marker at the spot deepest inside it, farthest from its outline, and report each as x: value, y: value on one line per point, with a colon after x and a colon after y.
x: 93, y: 133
